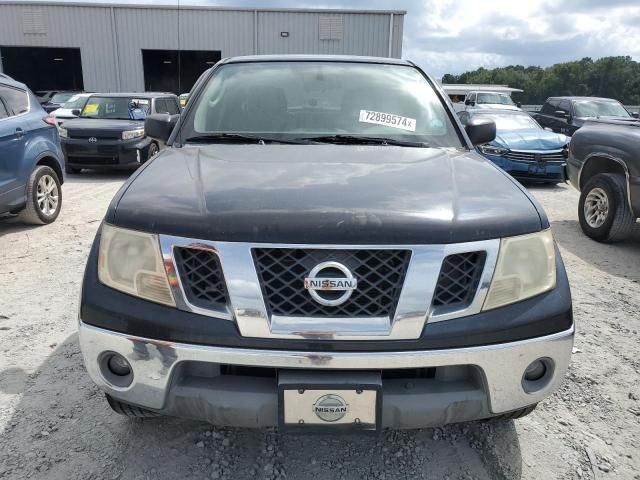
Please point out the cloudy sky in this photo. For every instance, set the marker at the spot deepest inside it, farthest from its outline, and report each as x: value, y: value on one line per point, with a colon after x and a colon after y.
x: 453, y: 36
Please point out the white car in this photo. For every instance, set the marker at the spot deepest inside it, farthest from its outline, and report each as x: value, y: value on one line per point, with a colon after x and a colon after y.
x: 76, y: 102
x: 486, y: 100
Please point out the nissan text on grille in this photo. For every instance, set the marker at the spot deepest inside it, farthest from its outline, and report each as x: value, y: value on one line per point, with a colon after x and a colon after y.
x: 327, y: 250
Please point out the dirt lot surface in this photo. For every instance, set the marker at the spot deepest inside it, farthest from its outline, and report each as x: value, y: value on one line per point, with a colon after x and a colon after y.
x: 55, y: 424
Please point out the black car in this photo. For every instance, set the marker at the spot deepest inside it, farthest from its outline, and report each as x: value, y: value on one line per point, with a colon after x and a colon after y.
x: 109, y: 131
x: 604, y: 165
x: 567, y: 114
x: 321, y: 245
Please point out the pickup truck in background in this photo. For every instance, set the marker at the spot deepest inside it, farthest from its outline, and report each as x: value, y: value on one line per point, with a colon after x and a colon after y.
x: 604, y: 165
x: 568, y: 114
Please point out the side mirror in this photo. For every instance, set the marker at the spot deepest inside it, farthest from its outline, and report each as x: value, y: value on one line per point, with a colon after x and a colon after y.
x: 480, y: 130
x: 635, y: 114
x: 560, y: 114
x: 160, y: 125
x: 467, y: 102
x: 76, y: 112
x: 518, y: 104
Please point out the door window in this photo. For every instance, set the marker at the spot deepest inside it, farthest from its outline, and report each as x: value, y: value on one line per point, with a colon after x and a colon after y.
x: 161, y: 105
x: 3, y: 111
x: 15, y: 99
x: 172, y: 106
x: 565, y: 106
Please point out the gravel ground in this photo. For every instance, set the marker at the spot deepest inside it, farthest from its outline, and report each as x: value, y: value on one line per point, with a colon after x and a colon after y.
x: 55, y: 424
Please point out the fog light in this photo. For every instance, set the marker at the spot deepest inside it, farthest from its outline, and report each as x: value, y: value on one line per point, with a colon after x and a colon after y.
x: 118, y: 365
x: 535, y: 371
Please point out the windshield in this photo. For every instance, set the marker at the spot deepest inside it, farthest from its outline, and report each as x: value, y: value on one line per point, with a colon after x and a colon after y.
x: 117, y: 108
x: 512, y: 121
x: 595, y: 108
x: 77, y: 101
x: 494, y: 98
x: 61, y: 97
x: 302, y: 100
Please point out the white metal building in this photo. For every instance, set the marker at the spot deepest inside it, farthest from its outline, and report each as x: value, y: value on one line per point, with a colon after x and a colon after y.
x: 129, y: 47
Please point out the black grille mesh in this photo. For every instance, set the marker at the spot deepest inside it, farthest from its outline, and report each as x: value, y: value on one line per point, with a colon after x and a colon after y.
x: 458, y: 279
x: 380, y: 275
x: 201, y: 276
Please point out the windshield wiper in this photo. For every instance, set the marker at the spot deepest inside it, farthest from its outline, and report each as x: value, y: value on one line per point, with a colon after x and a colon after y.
x: 240, y: 138
x: 363, y: 140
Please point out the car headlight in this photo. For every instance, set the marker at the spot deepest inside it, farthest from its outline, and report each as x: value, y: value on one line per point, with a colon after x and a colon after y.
x: 130, y: 261
x: 63, y: 132
x: 493, y: 150
x: 526, y: 267
x: 129, y: 134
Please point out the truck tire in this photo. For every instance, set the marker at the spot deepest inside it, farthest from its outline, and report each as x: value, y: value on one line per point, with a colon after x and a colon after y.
x: 153, y: 151
x: 603, y: 209
x: 127, y: 410
x: 44, y: 197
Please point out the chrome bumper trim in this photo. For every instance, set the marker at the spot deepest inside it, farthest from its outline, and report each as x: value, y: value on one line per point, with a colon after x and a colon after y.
x: 153, y: 362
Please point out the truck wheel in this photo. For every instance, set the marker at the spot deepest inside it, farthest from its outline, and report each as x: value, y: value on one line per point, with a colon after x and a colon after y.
x: 44, y: 197
x: 129, y: 410
x: 523, y: 412
x: 603, y: 209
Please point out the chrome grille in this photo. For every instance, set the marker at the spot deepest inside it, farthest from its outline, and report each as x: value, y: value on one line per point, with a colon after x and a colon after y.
x: 201, y: 276
x: 458, y: 280
x: 380, y: 274
x: 556, y: 156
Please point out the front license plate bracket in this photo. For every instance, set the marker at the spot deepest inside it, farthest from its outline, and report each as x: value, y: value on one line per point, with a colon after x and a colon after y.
x: 329, y: 400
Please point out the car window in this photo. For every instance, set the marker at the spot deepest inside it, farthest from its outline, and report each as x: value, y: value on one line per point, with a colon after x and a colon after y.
x: 3, y: 111
x: 508, y: 121
x: 565, y: 106
x: 116, y: 108
x: 172, y: 106
x: 61, y: 97
x: 15, y: 99
x: 494, y: 98
x: 77, y: 101
x: 160, y: 105
x: 306, y: 99
x: 472, y: 97
x: 550, y: 107
x: 600, y: 108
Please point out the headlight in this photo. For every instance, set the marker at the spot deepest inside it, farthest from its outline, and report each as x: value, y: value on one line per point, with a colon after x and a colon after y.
x: 63, y: 132
x: 131, y: 262
x: 526, y: 267
x: 129, y: 134
x: 493, y: 150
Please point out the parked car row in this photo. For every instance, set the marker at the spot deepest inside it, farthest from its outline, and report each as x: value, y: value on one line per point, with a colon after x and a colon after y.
x: 92, y: 130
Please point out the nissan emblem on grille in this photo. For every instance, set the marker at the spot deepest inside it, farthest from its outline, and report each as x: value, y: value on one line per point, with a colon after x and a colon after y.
x: 337, y: 278
x: 330, y: 408
x: 93, y: 139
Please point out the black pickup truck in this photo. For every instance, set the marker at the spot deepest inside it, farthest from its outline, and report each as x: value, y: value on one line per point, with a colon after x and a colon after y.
x: 321, y: 246
x: 604, y: 165
x: 567, y: 114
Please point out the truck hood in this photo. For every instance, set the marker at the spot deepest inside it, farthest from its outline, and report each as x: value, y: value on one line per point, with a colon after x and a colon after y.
x: 531, y: 139
x: 99, y: 128
x: 326, y: 194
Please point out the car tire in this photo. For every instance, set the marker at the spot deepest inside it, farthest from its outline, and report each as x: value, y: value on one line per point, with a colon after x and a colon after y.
x: 128, y: 410
x: 603, y: 209
x: 69, y: 169
x: 153, y: 151
x: 44, y: 197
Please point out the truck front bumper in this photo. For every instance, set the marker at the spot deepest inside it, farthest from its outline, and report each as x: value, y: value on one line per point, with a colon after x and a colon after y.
x: 239, y: 386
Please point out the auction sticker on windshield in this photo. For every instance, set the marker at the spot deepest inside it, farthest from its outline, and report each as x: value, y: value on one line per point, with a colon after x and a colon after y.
x: 388, y: 120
